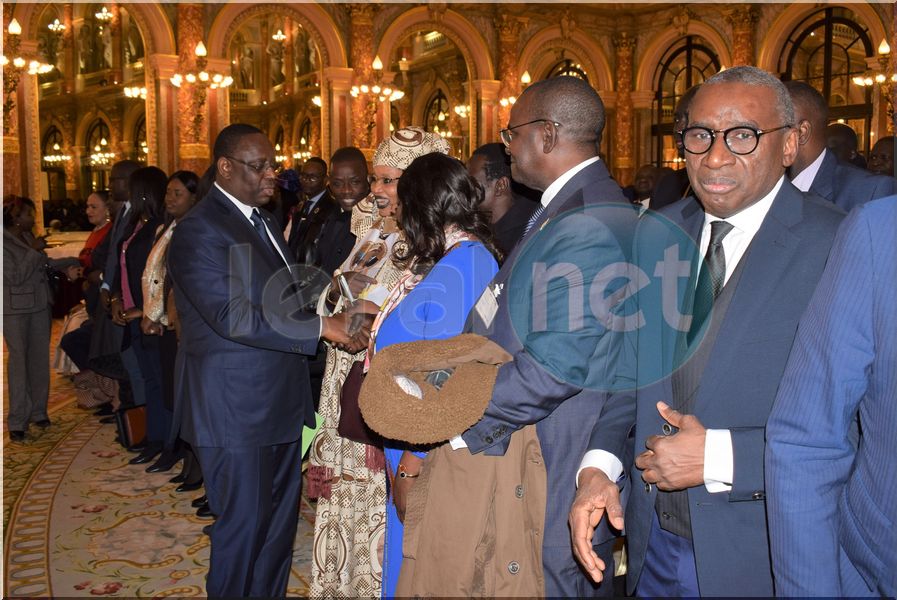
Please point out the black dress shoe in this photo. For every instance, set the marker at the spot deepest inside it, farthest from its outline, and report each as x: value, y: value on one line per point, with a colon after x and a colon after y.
x: 165, y: 462
x: 207, y: 530
x: 103, y: 410
x: 188, y: 486
x: 107, y: 420
x: 197, y: 502
x: 148, y: 454
x: 204, y: 512
x: 43, y: 423
x: 16, y: 436
x: 179, y: 478
x: 138, y: 447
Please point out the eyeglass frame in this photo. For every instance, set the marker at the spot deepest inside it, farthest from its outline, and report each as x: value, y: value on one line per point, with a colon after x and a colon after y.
x: 257, y: 170
x: 508, y: 132
x: 758, y: 133
x: 373, y: 179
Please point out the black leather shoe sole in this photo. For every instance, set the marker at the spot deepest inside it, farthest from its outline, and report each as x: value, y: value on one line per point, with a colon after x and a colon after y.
x: 188, y: 486
x: 197, y: 502
x: 165, y: 463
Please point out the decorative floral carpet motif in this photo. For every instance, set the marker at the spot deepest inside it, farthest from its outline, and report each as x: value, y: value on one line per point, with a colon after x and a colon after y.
x: 80, y: 521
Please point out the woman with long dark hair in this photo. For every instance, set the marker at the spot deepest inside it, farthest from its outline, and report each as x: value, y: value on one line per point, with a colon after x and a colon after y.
x: 158, y: 307
x: 140, y: 353
x: 449, y: 260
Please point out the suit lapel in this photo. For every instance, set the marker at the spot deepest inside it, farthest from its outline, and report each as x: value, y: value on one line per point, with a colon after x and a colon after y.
x: 823, y: 184
x: 767, y: 259
x: 242, y: 229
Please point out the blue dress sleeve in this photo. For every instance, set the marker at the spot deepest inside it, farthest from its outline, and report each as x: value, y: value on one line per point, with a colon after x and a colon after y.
x: 437, y: 308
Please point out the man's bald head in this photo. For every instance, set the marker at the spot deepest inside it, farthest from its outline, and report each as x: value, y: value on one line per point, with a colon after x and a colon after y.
x: 811, y: 116
x: 571, y: 102
x: 842, y: 140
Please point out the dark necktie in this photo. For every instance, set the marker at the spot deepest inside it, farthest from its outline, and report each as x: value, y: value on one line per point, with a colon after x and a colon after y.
x: 260, y: 229
x: 535, y: 217
x: 712, y: 277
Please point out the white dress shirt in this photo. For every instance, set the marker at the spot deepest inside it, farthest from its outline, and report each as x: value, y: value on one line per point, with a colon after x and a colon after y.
x: 718, y: 454
x: 804, y: 179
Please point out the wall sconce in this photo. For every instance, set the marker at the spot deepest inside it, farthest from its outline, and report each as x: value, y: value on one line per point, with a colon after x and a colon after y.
x: 525, y: 79
x: 302, y: 155
x: 462, y: 110
x: 316, y: 100
x: 104, y: 15
x: 135, y: 92
x: 13, y: 68
x: 57, y: 156
x: 882, y: 77
x: 201, y: 77
x: 101, y: 154
x: 56, y: 26
x: 280, y: 36
x: 509, y: 101
x: 279, y: 157
x: 378, y: 90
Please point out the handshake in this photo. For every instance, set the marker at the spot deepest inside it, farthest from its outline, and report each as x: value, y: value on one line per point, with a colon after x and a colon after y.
x: 350, y: 330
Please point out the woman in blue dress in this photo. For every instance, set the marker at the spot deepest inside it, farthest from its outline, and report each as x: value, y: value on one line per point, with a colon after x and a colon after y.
x: 448, y: 261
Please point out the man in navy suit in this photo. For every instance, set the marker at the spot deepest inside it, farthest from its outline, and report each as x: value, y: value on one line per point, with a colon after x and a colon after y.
x: 241, y: 374
x: 832, y: 509
x: 696, y: 518
x: 816, y: 169
x: 551, y: 137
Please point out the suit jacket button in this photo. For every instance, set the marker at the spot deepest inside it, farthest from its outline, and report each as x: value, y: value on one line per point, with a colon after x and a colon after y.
x: 518, y: 491
x: 648, y: 488
x: 758, y: 495
x: 667, y: 429
x: 513, y: 567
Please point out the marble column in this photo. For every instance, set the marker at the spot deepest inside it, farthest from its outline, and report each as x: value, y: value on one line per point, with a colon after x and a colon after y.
x: 11, y: 78
x: 484, y: 98
x: 623, y: 159
x: 508, y: 28
x: 743, y: 18
x: 336, y: 112
x: 364, y: 112
x: 70, y: 66
x: 193, y: 116
x: 115, y: 26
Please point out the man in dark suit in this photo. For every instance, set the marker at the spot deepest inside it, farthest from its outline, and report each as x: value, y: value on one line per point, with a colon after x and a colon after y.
x: 551, y: 137
x: 509, y: 213
x: 672, y: 187
x: 816, y: 169
x: 241, y: 374
x: 696, y: 520
x: 831, y: 501
x: 881, y: 157
x: 313, y: 209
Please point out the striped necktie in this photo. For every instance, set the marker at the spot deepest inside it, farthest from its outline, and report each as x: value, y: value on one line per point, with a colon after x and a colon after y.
x: 535, y: 217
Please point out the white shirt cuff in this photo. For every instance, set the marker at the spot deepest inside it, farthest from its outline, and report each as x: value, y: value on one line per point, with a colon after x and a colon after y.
x: 105, y: 286
x: 602, y: 460
x: 718, y: 461
x: 457, y: 443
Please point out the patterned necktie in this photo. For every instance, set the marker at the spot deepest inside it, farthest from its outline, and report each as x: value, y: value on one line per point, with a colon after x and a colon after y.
x: 712, y: 277
x: 535, y: 217
x: 260, y: 229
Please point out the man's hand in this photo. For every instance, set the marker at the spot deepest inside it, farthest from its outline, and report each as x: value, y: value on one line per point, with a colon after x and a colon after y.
x: 116, y: 312
x: 357, y: 282
x: 674, y: 462
x: 105, y: 299
x: 150, y: 327
x: 596, y: 496
x: 350, y: 330
x: 39, y: 243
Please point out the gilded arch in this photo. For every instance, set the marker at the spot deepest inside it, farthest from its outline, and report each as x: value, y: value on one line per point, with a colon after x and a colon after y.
x: 314, y: 19
x: 538, y: 53
x: 658, y: 47
x: 451, y: 24
x: 777, y: 36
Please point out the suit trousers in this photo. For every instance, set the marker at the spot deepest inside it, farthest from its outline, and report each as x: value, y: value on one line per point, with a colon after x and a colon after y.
x: 254, y: 492
x: 145, y: 350
x: 28, y: 370
x: 669, y: 570
x: 566, y: 579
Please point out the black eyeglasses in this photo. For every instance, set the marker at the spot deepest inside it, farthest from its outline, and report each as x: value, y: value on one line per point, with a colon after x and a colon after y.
x: 310, y: 176
x: 739, y: 140
x: 507, y: 134
x: 258, y: 167
x: 373, y: 180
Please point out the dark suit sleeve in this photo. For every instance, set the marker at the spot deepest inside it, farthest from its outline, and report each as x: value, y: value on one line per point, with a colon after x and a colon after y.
x: 557, y: 361
x: 206, y: 267
x: 809, y: 452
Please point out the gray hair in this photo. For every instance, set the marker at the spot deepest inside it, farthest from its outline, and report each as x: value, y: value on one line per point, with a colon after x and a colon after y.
x: 571, y: 102
x: 760, y: 78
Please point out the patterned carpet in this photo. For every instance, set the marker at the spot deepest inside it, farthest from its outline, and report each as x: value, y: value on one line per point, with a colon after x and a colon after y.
x: 80, y: 521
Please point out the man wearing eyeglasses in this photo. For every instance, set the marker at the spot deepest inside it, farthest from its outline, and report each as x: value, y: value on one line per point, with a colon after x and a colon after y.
x: 552, y: 138
x: 311, y: 212
x: 696, y: 517
x: 241, y: 370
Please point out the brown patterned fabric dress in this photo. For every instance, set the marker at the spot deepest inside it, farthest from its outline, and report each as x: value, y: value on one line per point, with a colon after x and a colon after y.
x: 348, y: 477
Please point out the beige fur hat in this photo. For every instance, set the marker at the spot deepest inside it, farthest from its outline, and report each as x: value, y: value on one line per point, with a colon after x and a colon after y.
x: 430, y: 391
